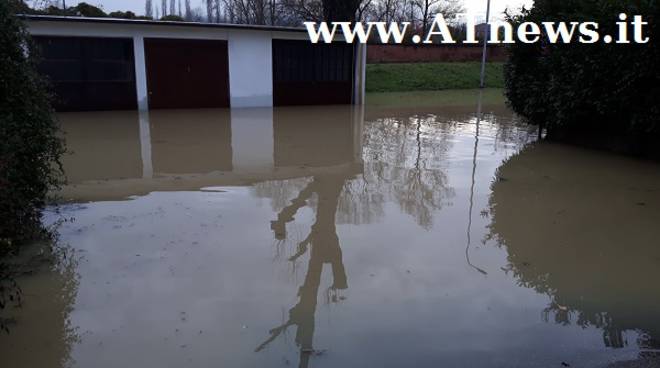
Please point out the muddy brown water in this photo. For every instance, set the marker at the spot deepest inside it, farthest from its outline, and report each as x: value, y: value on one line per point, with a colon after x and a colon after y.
x: 394, y: 236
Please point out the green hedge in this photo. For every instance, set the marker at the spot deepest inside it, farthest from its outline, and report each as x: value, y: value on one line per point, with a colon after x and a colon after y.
x: 581, y: 89
x: 31, y: 143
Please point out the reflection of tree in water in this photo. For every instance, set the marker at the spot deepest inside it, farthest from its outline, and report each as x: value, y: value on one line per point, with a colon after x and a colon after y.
x: 508, y: 132
x: 279, y: 192
x: 323, y: 247
x: 49, y: 283
x: 569, y: 237
x: 404, y: 162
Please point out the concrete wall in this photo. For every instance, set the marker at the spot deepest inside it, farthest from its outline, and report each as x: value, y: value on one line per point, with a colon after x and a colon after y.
x: 250, y: 52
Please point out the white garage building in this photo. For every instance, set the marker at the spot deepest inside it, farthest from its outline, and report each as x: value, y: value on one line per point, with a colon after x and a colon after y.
x: 120, y: 64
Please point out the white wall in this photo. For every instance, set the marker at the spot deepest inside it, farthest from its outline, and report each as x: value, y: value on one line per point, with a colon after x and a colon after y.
x: 140, y: 73
x: 250, y: 69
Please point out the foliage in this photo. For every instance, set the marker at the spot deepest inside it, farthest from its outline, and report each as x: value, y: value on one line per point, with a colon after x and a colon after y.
x: 172, y: 18
x: 340, y: 10
x: 19, y: 6
x: 430, y: 76
x: 87, y: 10
x: 31, y: 140
x: 124, y: 15
x: 605, y: 88
x: 294, y: 12
x: 10, y: 296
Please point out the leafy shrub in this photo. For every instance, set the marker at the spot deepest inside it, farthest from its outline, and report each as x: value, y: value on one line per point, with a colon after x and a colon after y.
x: 607, y: 89
x: 172, y: 18
x: 81, y: 10
x: 30, y: 139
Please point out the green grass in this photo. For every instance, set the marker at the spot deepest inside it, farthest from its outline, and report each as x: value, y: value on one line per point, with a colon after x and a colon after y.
x: 431, y: 76
x: 458, y: 97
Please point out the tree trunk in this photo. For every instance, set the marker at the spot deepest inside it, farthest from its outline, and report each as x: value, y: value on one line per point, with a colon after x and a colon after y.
x: 340, y: 10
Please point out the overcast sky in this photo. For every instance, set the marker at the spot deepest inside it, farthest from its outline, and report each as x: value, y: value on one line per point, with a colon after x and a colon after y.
x: 137, y: 6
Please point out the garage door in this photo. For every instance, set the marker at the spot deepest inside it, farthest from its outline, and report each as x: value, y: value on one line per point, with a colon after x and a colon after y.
x: 312, y: 74
x: 187, y: 73
x: 89, y: 73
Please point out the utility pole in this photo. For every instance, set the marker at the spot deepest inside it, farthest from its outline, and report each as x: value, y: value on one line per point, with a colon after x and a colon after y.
x: 483, y: 57
x: 64, y: 5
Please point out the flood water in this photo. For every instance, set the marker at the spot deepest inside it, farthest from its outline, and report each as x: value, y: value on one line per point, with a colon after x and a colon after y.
x: 404, y: 234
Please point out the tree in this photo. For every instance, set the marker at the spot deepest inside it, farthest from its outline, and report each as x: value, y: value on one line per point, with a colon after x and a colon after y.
x: 20, y: 7
x: 387, y: 10
x: 428, y: 9
x: 302, y: 10
x: 123, y: 15
x: 86, y: 10
x: 209, y: 10
x: 172, y: 18
x: 340, y: 10
x: 148, y: 9
x: 32, y: 145
x: 188, y: 14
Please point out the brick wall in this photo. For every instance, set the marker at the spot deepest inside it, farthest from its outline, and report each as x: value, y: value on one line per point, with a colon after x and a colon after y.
x: 381, y: 54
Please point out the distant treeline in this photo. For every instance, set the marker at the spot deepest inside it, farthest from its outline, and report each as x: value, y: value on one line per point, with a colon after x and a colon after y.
x: 419, y: 13
x: 81, y: 10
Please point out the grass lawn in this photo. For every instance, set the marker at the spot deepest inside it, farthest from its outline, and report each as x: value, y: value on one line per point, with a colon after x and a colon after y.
x: 458, y: 97
x: 431, y: 76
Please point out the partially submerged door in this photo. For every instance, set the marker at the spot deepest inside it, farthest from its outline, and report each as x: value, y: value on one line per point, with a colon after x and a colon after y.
x: 89, y: 73
x: 312, y: 74
x: 187, y: 73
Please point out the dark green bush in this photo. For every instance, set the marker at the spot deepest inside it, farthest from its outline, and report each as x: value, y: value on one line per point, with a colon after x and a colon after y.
x: 30, y: 139
x: 172, y: 18
x: 81, y: 10
x: 611, y: 89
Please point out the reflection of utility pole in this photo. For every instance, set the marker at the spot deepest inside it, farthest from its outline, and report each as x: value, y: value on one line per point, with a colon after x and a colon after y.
x: 474, y: 171
x: 483, y: 57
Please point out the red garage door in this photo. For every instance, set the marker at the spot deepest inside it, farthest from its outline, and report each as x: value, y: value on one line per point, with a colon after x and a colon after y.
x: 187, y: 73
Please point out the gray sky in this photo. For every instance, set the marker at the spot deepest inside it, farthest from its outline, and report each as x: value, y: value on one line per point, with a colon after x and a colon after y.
x: 137, y: 6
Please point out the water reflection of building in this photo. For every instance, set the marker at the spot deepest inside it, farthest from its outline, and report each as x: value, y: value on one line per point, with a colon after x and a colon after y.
x: 103, y: 145
x: 311, y: 150
x: 118, y: 154
x: 184, y: 143
x: 572, y: 232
